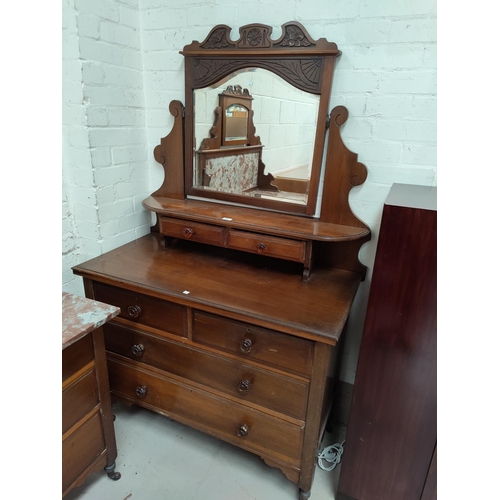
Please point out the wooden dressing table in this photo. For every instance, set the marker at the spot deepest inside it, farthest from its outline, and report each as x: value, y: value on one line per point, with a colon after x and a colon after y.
x: 233, y: 308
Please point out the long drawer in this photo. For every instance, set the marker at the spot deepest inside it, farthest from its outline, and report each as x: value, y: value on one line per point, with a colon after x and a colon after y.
x: 251, y: 342
x: 143, y: 309
x: 235, y: 423
x: 250, y: 383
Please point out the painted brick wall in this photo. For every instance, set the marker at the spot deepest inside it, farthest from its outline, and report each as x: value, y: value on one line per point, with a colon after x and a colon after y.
x: 131, y: 69
x: 105, y: 168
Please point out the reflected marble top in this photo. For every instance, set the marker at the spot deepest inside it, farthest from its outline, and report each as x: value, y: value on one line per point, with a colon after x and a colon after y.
x: 81, y: 316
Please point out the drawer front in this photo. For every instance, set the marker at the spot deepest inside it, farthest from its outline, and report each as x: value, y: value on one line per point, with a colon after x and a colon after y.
x: 232, y: 422
x: 244, y: 381
x: 202, y: 233
x: 76, y: 356
x: 281, y: 248
x: 143, y: 309
x: 79, y: 399
x: 250, y: 342
x: 80, y: 449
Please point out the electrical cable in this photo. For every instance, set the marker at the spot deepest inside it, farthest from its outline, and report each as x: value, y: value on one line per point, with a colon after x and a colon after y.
x: 331, y: 454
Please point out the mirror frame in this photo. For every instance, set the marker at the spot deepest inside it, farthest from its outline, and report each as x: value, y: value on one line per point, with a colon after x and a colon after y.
x: 303, y: 62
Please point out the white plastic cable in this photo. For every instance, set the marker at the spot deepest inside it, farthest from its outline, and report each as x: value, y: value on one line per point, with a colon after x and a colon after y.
x: 331, y: 454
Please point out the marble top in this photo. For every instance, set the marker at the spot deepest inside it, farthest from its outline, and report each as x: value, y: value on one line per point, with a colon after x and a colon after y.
x: 81, y: 316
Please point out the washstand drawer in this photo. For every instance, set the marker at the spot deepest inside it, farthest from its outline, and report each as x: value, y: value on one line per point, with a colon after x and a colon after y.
x: 76, y: 356
x: 247, y: 382
x: 271, y: 246
x: 232, y: 422
x: 143, y: 309
x: 251, y: 342
x: 194, y: 231
x: 79, y: 399
x: 81, y: 447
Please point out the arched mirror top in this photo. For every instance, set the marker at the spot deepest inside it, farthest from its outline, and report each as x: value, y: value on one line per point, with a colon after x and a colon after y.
x: 302, y: 65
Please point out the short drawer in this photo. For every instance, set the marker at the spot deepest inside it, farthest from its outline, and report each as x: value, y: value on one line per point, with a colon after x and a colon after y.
x: 76, y: 356
x: 251, y: 342
x: 247, y: 382
x: 79, y: 399
x: 271, y: 246
x: 232, y: 422
x: 194, y: 231
x: 80, y: 450
x: 143, y: 309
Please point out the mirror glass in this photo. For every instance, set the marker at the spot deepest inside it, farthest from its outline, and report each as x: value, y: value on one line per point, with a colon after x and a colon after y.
x: 236, y: 123
x: 285, y: 120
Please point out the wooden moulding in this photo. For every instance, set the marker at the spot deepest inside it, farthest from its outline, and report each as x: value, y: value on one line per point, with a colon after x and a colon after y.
x: 170, y: 154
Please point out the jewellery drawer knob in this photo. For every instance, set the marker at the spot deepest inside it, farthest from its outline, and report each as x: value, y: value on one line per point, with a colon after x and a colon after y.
x: 242, y: 431
x: 187, y: 232
x: 261, y: 248
x: 244, y: 385
x: 137, y: 349
x: 141, y: 391
x: 245, y: 346
x: 134, y: 311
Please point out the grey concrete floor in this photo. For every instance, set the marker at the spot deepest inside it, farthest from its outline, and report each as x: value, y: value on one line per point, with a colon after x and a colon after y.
x: 160, y: 459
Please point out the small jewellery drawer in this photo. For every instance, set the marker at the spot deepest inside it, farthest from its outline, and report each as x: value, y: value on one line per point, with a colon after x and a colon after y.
x: 238, y: 424
x: 249, y: 383
x: 79, y: 399
x: 143, y: 309
x: 271, y: 246
x: 202, y: 233
x: 251, y: 342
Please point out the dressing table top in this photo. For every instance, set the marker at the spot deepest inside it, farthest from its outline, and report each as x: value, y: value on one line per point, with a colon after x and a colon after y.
x: 241, y: 286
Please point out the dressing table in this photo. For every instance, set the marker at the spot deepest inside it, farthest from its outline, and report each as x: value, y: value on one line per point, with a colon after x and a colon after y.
x: 233, y: 309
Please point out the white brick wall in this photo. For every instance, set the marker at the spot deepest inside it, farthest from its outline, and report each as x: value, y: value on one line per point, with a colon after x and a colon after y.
x: 122, y: 68
x: 104, y: 136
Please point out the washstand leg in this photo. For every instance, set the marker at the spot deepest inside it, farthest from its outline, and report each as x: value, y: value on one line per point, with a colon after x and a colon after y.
x: 110, y: 471
x: 304, y: 495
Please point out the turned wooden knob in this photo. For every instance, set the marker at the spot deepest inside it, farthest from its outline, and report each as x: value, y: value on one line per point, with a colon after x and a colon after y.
x: 137, y: 349
x: 244, y: 385
x: 187, y: 232
x: 141, y: 391
x: 261, y: 247
x: 242, y: 431
x: 245, y: 346
x: 134, y: 311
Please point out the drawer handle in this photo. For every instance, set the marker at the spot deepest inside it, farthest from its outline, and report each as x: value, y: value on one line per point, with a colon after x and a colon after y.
x: 134, y: 311
x: 244, y: 386
x: 141, y: 391
x: 245, y: 346
x: 137, y: 349
x: 261, y: 248
x: 242, y: 431
x: 187, y: 232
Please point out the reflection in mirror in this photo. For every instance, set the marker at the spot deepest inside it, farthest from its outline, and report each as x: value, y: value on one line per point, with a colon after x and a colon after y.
x: 283, y: 119
x: 236, y: 123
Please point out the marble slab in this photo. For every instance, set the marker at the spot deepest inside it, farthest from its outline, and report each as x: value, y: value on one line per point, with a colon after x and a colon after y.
x: 81, y: 316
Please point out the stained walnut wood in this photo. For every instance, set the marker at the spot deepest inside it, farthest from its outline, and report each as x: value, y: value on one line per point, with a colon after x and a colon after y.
x: 294, y: 56
x: 233, y: 312
x: 247, y: 382
x: 266, y: 435
x: 391, y: 434
x: 230, y: 284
